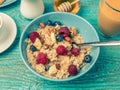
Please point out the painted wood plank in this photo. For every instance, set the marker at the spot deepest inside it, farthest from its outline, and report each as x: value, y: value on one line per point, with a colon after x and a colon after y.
x: 14, y: 75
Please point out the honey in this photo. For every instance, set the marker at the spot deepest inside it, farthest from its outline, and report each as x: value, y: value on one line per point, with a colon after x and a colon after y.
x: 75, y: 7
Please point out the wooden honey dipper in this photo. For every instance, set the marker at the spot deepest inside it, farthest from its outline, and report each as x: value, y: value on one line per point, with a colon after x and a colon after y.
x: 66, y: 6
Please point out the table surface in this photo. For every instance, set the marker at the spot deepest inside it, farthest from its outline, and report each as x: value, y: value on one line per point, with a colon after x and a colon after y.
x: 14, y: 75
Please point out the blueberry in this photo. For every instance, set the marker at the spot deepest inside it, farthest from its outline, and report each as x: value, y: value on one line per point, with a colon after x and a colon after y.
x: 49, y: 22
x: 33, y: 48
x: 87, y: 59
x: 27, y: 36
x: 57, y: 23
x: 59, y: 38
x: 47, y: 68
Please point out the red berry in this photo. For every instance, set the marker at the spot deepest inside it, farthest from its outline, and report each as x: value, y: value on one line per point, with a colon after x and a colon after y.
x: 42, y: 61
x: 72, y: 69
x: 33, y: 36
x: 64, y: 31
x: 61, y: 50
x: 41, y: 58
x: 75, y: 51
x: 58, y: 66
x: 41, y: 55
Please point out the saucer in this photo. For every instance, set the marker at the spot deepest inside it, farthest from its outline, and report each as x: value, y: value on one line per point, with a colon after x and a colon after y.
x: 11, y: 31
x: 7, y: 2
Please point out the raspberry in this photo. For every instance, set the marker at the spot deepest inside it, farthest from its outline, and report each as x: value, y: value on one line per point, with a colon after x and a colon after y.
x: 72, y: 69
x: 75, y: 51
x: 41, y: 58
x: 33, y: 36
x: 41, y: 55
x: 42, y: 61
x: 64, y: 31
x: 61, y: 50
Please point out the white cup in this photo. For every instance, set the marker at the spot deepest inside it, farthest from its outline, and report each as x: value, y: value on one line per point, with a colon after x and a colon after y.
x: 3, y: 34
x: 1, y: 23
x: 31, y: 8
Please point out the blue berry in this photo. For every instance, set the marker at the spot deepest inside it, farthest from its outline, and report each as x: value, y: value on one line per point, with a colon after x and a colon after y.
x: 33, y: 48
x: 57, y: 23
x: 47, y: 68
x: 49, y: 22
x: 87, y: 59
x: 59, y: 38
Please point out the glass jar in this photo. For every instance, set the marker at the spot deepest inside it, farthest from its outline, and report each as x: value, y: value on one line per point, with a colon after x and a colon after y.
x: 75, y: 7
x: 109, y: 17
x: 31, y: 8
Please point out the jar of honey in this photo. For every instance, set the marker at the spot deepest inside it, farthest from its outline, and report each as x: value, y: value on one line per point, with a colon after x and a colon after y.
x: 75, y: 8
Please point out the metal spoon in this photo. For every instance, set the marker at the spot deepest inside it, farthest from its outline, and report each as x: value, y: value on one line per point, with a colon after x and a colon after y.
x: 101, y: 43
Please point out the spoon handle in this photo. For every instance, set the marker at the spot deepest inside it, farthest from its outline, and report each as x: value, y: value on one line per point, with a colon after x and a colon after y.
x: 101, y: 43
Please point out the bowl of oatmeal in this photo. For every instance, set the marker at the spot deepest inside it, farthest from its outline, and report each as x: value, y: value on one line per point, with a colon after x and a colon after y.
x: 47, y: 49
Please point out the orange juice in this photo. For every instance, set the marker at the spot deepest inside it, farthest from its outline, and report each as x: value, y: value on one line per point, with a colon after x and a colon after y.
x: 109, y: 17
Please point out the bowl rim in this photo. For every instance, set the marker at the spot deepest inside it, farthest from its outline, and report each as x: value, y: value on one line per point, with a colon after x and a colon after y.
x: 50, y: 79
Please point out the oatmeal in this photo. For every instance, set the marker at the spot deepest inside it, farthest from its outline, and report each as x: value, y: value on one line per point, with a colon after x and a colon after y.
x: 51, y: 53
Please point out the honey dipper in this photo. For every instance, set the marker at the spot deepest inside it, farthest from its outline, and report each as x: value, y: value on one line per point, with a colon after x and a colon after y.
x: 66, y: 6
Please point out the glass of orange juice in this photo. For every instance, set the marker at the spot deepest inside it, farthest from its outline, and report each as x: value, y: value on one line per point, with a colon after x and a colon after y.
x: 109, y: 17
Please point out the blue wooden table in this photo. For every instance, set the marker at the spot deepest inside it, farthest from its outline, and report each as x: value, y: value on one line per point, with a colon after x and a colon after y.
x: 14, y: 75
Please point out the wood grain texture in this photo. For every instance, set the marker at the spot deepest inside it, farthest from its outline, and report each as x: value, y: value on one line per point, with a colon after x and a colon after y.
x: 14, y: 75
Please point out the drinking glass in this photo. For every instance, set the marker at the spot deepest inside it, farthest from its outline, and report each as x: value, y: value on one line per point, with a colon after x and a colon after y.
x: 109, y: 17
